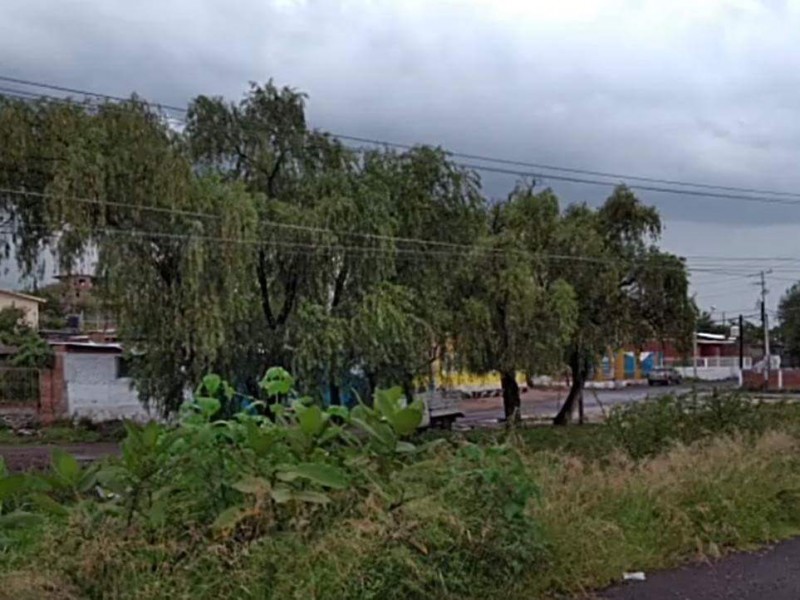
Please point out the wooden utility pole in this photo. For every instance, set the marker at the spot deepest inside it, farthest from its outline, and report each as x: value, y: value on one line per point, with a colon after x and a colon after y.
x: 741, y: 343
x: 765, y: 325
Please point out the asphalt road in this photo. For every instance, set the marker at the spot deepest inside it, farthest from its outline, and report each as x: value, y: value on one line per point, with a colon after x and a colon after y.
x: 772, y: 574
x: 544, y: 403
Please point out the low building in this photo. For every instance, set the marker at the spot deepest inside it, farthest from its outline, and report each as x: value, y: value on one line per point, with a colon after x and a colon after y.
x: 88, y: 381
x: 97, y: 383
x: 27, y: 303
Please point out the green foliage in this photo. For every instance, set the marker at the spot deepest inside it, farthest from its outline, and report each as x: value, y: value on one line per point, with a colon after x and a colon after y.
x: 649, y: 428
x: 789, y: 318
x: 517, y: 313
x: 251, y: 508
x: 31, y: 350
x: 335, y: 262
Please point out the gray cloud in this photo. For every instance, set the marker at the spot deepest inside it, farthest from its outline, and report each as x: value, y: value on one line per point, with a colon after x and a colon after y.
x: 682, y: 90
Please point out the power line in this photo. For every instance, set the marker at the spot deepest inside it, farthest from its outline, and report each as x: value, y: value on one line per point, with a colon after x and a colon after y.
x: 79, y: 199
x: 70, y: 90
x: 505, y: 161
x: 725, y: 269
x: 546, y: 167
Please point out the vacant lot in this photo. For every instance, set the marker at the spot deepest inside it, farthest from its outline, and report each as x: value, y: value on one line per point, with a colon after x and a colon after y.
x: 528, y: 513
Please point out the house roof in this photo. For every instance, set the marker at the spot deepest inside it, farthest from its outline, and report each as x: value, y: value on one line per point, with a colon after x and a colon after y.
x: 717, y: 337
x: 111, y: 348
x: 22, y: 296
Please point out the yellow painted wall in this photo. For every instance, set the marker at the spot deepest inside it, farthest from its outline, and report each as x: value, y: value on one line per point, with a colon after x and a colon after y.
x: 30, y: 307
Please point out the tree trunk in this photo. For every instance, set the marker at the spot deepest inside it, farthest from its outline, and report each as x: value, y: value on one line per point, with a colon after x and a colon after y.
x: 408, y: 389
x: 336, y: 397
x: 511, y: 401
x: 575, y: 395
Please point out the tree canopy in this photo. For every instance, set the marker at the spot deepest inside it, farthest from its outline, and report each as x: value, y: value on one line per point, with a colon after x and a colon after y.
x: 247, y: 238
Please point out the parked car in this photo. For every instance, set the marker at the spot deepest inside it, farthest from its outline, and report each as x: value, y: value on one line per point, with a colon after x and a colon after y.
x: 664, y: 376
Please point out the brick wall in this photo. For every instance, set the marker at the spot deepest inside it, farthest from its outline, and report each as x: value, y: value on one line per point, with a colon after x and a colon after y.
x: 52, y: 391
x: 779, y: 380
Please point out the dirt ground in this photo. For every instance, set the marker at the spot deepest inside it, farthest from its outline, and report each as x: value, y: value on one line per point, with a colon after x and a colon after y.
x: 27, y: 457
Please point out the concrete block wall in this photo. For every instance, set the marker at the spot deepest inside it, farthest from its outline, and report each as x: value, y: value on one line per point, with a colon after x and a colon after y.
x: 95, y: 392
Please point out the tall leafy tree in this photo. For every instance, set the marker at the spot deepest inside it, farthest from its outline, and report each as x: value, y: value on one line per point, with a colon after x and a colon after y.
x: 789, y: 320
x: 517, y: 313
x: 113, y: 180
x: 628, y: 290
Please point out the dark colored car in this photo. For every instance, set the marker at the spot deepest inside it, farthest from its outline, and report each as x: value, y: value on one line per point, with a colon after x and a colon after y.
x: 664, y: 376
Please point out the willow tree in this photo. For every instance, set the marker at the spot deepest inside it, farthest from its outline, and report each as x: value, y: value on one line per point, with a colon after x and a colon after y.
x: 113, y: 181
x: 331, y: 267
x: 628, y: 290
x: 518, y: 312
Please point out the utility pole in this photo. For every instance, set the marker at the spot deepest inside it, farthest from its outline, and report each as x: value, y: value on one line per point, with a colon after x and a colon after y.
x: 765, y: 325
x: 741, y: 343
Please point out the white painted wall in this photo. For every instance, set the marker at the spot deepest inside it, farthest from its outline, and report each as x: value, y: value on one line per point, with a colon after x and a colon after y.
x: 95, y: 392
x: 710, y: 373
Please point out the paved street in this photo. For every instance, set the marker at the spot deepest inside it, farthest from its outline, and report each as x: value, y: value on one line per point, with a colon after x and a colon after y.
x: 544, y: 403
x: 771, y: 574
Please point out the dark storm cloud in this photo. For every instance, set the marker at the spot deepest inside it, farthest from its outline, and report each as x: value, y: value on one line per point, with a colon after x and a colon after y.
x: 705, y: 91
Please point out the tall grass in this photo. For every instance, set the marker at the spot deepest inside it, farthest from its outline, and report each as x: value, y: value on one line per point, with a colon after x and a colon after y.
x: 508, y: 518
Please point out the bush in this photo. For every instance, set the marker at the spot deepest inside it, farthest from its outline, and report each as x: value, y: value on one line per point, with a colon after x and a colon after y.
x: 184, y: 506
x: 651, y: 427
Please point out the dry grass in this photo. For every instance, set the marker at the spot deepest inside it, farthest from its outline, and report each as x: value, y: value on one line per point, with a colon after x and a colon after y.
x: 31, y: 585
x: 594, y: 520
x: 692, y: 503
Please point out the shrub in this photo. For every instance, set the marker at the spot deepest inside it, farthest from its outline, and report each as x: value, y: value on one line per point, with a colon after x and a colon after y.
x: 651, y: 427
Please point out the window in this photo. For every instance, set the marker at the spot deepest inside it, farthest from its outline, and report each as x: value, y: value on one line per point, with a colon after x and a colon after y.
x: 123, y: 367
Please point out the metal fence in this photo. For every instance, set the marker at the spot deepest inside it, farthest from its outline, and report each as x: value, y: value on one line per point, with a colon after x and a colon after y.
x: 19, y: 386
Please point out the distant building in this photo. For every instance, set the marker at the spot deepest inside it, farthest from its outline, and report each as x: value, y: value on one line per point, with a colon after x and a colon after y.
x: 28, y: 304
x: 76, y: 291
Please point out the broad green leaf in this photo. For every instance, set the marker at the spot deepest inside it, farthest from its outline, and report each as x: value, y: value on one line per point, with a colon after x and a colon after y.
x: 311, y: 420
x: 208, y: 406
x: 277, y: 382
x: 258, y: 439
x: 388, y: 402
x: 66, y: 466
x: 252, y: 485
x: 87, y: 480
x: 359, y: 411
x: 340, y: 412
x: 405, y: 447
x: 229, y: 518
x: 211, y: 384
x: 46, y: 504
x: 282, y: 494
x: 379, y: 431
x: 406, y: 420
x: 321, y: 474
x: 312, y: 497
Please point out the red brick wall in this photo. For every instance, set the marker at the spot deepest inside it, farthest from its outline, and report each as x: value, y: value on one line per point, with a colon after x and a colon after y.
x: 52, y: 391
x: 752, y: 380
x: 789, y: 379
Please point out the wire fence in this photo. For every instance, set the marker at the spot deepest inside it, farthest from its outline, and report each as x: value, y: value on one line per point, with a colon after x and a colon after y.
x: 19, y: 386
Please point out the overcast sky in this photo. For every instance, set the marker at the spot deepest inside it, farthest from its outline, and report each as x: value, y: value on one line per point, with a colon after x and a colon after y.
x: 700, y: 90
